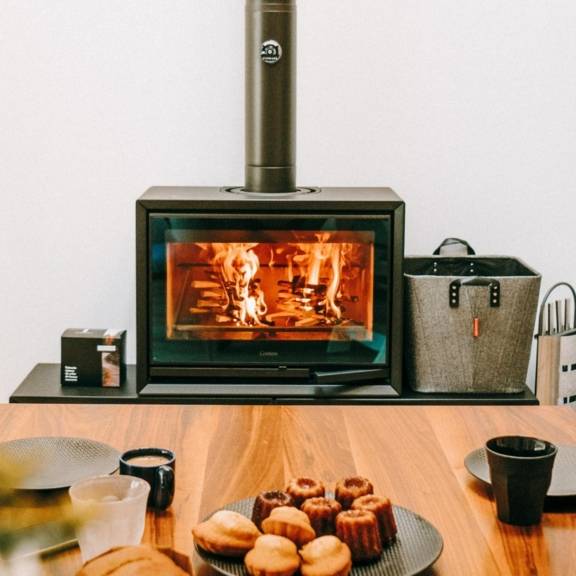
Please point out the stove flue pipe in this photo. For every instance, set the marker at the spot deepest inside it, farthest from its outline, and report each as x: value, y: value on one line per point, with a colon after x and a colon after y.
x: 270, y: 95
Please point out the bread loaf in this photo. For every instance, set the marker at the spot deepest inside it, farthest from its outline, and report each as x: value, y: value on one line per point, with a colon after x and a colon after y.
x: 131, y: 561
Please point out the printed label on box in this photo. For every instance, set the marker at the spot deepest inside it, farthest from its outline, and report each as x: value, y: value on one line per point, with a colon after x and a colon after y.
x: 71, y: 373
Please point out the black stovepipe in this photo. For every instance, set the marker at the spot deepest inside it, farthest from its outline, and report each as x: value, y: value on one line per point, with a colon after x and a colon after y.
x: 270, y: 96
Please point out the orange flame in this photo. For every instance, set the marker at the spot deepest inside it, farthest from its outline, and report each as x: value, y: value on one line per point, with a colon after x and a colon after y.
x: 322, y: 263
x: 238, y: 265
x: 311, y: 282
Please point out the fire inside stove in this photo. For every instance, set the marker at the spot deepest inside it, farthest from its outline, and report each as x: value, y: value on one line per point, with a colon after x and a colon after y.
x: 281, y: 285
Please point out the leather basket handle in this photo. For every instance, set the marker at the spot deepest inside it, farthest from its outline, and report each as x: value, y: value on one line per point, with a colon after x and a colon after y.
x: 449, y: 241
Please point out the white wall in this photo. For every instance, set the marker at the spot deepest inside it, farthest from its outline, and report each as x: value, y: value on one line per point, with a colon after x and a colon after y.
x: 466, y: 108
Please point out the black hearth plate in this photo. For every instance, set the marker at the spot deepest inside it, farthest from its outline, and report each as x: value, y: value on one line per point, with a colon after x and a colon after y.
x: 418, y: 545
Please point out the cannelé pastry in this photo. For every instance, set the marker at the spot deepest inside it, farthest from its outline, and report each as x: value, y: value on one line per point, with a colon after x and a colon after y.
x: 266, y: 502
x: 322, y: 513
x: 382, y: 509
x: 303, y: 488
x: 359, y: 530
x: 350, y: 488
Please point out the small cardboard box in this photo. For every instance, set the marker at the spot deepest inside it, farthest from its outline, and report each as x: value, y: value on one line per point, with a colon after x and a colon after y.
x: 93, y: 357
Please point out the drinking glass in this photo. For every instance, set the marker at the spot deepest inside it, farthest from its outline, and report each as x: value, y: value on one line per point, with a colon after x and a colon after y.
x: 520, y: 473
x: 113, y: 510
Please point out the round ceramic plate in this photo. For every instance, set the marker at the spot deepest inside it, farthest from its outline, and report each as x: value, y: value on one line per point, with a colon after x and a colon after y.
x: 563, y: 475
x: 418, y: 545
x: 58, y: 462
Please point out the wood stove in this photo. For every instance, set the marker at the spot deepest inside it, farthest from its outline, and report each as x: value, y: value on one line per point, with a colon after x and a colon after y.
x: 269, y: 291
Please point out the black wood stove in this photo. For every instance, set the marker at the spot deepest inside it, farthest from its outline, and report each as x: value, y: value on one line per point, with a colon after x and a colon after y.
x: 269, y: 292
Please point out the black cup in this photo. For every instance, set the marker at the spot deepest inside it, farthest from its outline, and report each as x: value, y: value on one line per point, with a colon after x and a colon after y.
x: 520, y: 472
x: 160, y: 475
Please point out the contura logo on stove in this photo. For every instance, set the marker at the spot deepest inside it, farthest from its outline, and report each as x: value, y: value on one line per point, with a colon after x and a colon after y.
x: 267, y: 353
x: 271, y: 52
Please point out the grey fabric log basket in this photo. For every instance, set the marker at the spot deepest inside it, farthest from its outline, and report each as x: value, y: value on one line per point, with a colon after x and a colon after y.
x: 469, y: 323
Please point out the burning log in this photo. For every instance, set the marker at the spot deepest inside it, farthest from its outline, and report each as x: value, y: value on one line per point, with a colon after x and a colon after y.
x: 211, y: 295
x: 208, y: 304
x: 194, y: 310
x: 204, y: 284
x: 313, y: 320
x: 310, y: 293
x: 280, y: 315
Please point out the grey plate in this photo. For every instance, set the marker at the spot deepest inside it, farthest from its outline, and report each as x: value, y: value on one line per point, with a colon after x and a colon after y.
x: 563, y: 475
x: 418, y: 545
x: 59, y: 462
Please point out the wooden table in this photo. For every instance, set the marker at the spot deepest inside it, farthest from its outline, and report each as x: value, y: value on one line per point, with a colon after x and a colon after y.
x: 414, y: 455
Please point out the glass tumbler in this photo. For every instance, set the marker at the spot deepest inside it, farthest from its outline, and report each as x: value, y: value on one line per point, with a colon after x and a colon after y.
x: 112, y: 510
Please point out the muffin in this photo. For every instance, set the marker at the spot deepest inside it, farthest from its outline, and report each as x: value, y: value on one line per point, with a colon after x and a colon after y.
x: 382, y: 509
x: 350, y: 488
x: 272, y: 556
x: 303, y: 488
x: 291, y: 523
x: 266, y: 502
x: 359, y: 530
x: 226, y: 533
x: 326, y: 556
x: 322, y: 513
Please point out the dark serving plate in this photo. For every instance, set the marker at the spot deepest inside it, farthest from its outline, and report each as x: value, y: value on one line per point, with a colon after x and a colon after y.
x: 563, y: 475
x: 58, y: 462
x: 418, y: 545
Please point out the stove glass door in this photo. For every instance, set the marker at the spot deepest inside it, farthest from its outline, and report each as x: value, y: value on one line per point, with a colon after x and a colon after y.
x: 269, y: 290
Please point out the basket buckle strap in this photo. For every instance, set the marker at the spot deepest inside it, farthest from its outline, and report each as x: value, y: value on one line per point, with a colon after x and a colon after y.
x: 492, y: 284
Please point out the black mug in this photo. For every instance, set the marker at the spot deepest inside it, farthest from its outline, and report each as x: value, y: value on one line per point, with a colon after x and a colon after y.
x: 520, y: 472
x: 157, y: 467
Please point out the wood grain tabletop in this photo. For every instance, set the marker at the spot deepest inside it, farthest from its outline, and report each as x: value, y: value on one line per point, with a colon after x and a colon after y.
x: 413, y: 455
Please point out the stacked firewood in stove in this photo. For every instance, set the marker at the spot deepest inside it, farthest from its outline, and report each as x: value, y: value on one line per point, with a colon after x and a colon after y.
x: 302, y: 304
x: 229, y: 302
x: 210, y: 299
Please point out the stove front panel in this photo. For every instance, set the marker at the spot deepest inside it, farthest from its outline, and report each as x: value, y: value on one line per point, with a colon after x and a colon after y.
x: 271, y: 290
